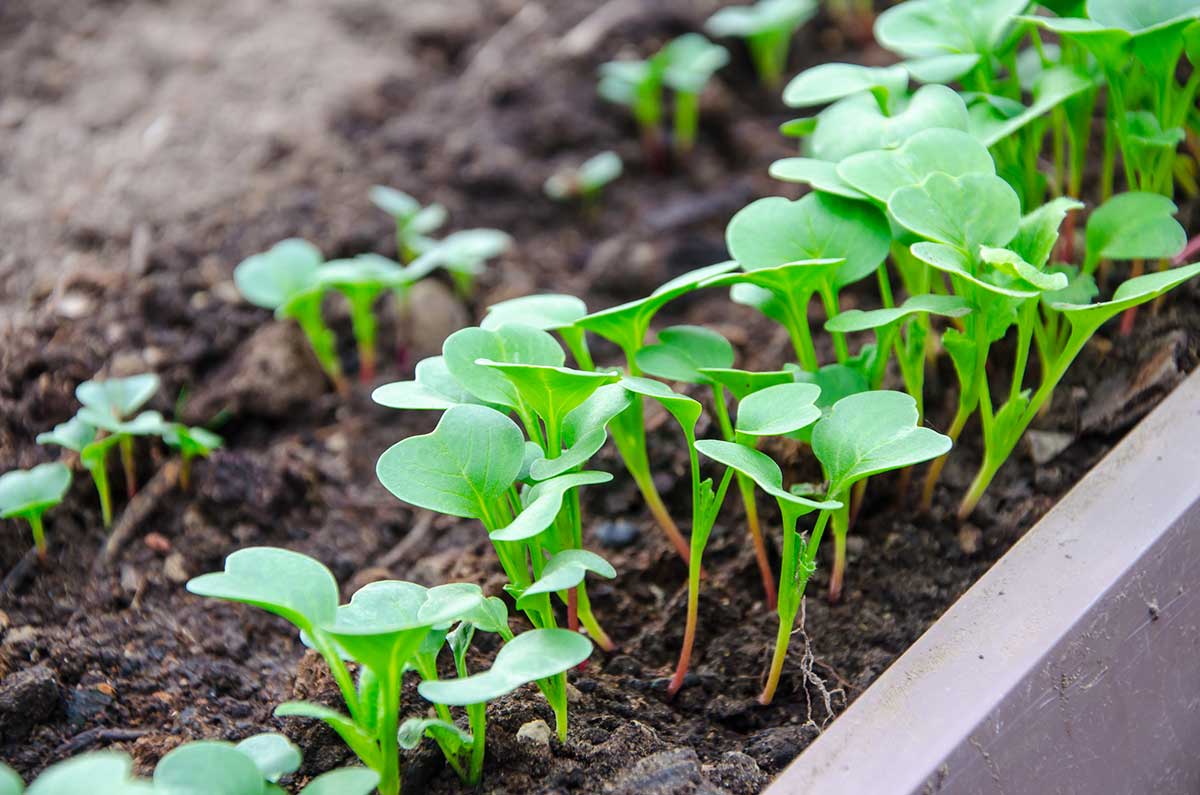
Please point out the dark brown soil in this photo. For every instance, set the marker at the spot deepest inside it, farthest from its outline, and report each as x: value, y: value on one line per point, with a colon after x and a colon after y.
x: 481, y: 106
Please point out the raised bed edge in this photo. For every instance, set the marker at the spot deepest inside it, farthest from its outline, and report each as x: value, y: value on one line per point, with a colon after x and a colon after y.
x: 1071, y: 666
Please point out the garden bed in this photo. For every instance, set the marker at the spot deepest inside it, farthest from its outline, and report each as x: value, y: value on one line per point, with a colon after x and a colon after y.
x: 95, y: 655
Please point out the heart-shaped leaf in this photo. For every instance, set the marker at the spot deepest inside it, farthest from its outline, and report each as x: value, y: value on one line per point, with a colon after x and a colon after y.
x: 433, y: 388
x: 547, y: 312
x: 777, y: 410
x: 288, y: 584
x: 828, y: 82
x: 466, y: 251
x: 870, y: 433
x: 1011, y: 264
x: 882, y: 172
x: 363, y: 271
x: 470, y: 459
x: 566, y: 570
x: 273, y: 754
x: 965, y: 212
x: 510, y: 344
x: 951, y: 260
x: 760, y: 17
x: 744, y: 382
x: 118, y: 397
x: 381, y: 627
x: 148, y: 423
x: 445, y: 604
x: 681, y: 352
x: 395, y: 203
x: 542, y: 504
x: 31, y: 492
x: 626, y: 325
x: 74, y: 434
x: 857, y: 124
x: 96, y: 773
x: 208, y: 767
x: 1133, y: 225
x: 530, y: 656
x: 690, y: 60
x: 764, y: 472
x: 821, y: 175
x: 343, y: 781
x: 941, y: 68
x: 858, y: 320
x: 1038, y: 231
x: 281, y: 276
x: 775, y: 231
x: 932, y: 27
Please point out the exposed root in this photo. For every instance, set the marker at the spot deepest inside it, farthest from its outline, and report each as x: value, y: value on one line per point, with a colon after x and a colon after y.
x: 812, y: 681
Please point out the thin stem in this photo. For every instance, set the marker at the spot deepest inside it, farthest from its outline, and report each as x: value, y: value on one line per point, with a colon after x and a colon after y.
x: 126, y: 445
x: 100, y: 478
x: 797, y: 326
x: 830, y: 301
x: 935, y: 469
x: 39, y: 535
x: 841, y: 528
x: 687, y: 120
x: 590, y: 623
x: 746, y: 487
x: 477, y: 717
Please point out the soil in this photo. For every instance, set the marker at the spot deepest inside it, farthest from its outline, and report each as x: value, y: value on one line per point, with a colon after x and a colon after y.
x: 151, y: 144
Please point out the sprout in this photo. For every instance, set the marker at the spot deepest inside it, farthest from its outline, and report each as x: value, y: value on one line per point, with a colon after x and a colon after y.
x: 80, y: 437
x: 362, y: 280
x: 464, y: 255
x: 382, y: 629
x: 190, y: 442
x: 691, y: 60
x: 29, y: 493
x: 585, y: 181
x: 767, y: 27
x: 286, y: 279
x: 216, y: 768
x: 638, y: 84
x: 414, y: 223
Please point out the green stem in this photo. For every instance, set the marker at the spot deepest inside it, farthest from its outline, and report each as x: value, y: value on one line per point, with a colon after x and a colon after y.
x: 127, y: 463
x: 829, y: 299
x: 477, y: 717
x: 39, y: 535
x: 687, y: 120
x: 841, y: 529
x: 100, y: 478
x: 797, y: 326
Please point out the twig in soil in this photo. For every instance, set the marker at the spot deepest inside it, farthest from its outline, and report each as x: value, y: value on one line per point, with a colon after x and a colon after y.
x: 584, y: 37
x: 137, y: 511
x: 20, y: 572
x: 807, y: 662
x: 417, y: 538
x: 97, y: 735
x: 489, y: 59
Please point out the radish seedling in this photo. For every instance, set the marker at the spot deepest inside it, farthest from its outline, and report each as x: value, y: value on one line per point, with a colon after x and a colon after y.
x: 29, y: 493
x: 287, y: 279
x: 626, y: 326
x: 691, y: 355
x: 691, y: 60
x: 362, y: 280
x: 539, y: 655
x: 548, y: 312
x: 381, y: 629
x: 80, y: 437
x: 585, y: 181
x: 190, y: 442
x: 414, y: 223
x: 463, y: 255
x: 639, y: 85
x: 109, y: 404
x: 252, y: 767
x: 766, y: 27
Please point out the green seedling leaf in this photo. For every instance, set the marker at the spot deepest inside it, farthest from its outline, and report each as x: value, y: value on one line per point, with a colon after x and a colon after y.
x: 510, y: 344
x: 626, y: 324
x: 447, y: 735
x: 28, y: 493
x: 344, y: 781
x: 542, y: 504
x: 920, y: 28
x: 191, y: 441
x: 828, y: 82
x: 760, y: 17
x: 941, y: 68
x: 690, y: 60
x: 685, y: 410
x: 365, y: 272
x: 631, y: 83
x: 1038, y: 231
x: 382, y: 627
x: 10, y: 782
x: 776, y: 410
x: 881, y: 173
x: 148, y: 423
x: 208, y: 767
x: 281, y: 277
x: 118, y: 397
x: 552, y: 392
x: 445, y: 604
x: 273, y: 754
x: 857, y: 124
x: 566, y: 570
x: 821, y: 175
x: 1133, y: 292
x: 1081, y: 288
x: 858, y: 320
x: 433, y: 388
x: 776, y: 284
x: 470, y: 459
x: 362, y: 744
x: 763, y: 471
x: 395, y: 203
x: 1011, y: 264
x: 74, y: 434
x: 951, y: 260
x: 744, y: 382
x: 97, y: 773
x: 288, y: 584
x: 682, y: 351
x: 530, y: 656
x: 548, y: 312
x: 584, y: 431
x: 467, y: 251
x: 774, y: 231
x: 965, y: 212
x: 586, y: 180
x: 1055, y: 86
x: 1133, y: 226
x: 870, y: 433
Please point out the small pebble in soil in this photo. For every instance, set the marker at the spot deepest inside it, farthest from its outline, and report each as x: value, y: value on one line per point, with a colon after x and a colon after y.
x: 616, y: 534
x: 623, y: 665
x: 969, y: 537
x: 27, y: 698
x: 536, y: 733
